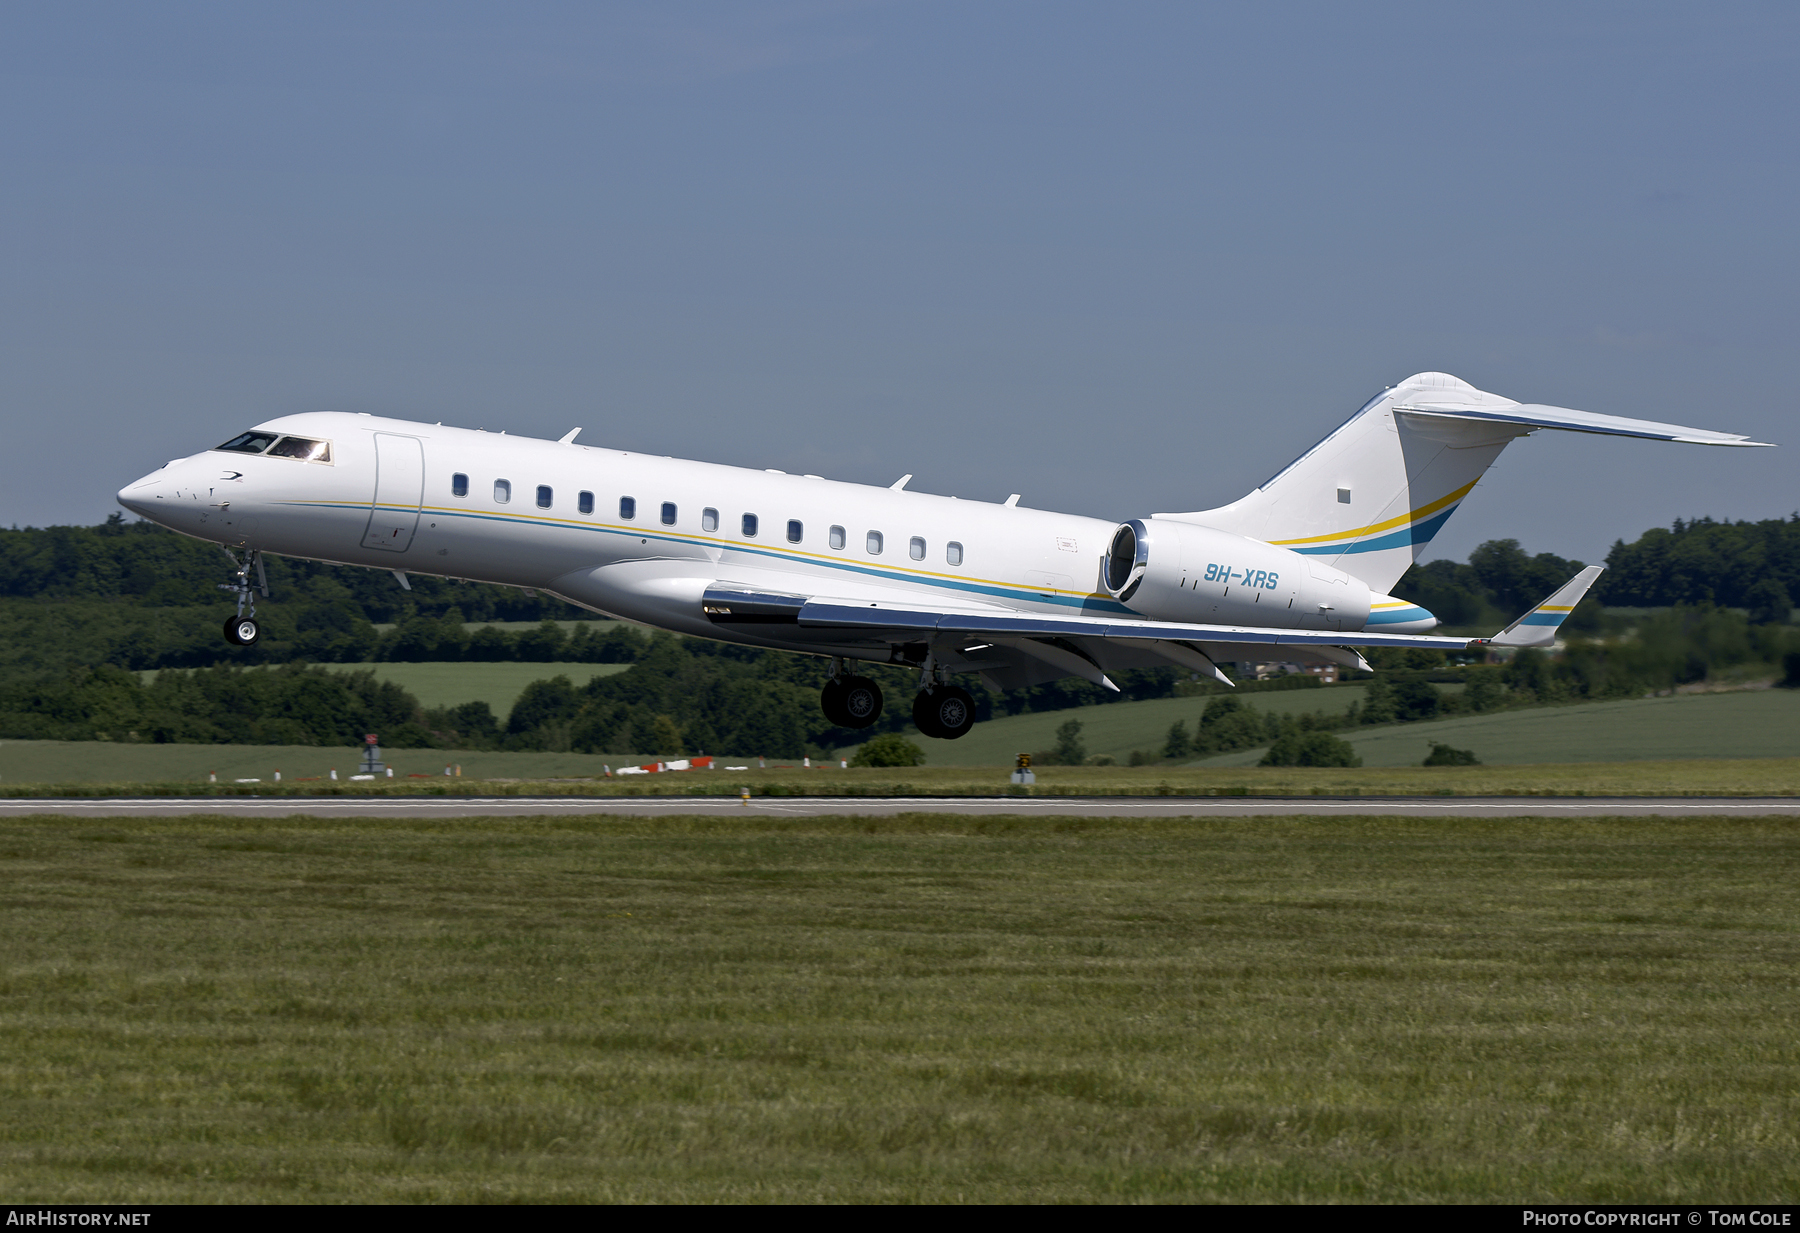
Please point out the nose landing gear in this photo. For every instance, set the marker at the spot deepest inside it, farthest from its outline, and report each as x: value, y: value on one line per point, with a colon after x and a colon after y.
x: 243, y: 629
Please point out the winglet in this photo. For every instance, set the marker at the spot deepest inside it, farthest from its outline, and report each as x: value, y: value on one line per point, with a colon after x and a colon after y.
x: 1538, y: 627
x: 568, y: 438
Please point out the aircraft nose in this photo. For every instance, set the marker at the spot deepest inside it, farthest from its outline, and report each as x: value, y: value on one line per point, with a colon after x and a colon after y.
x: 141, y: 496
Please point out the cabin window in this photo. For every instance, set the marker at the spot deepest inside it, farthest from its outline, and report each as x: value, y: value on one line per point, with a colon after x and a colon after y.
x: 249, y: 443
x: 874, y: 543
x: 953, y: 552
x: 585, y: 502
x: 544, y: 496
x: 915, y: 548
x: 836, y: 538
x: 668, y: 513
x: 749, y: 526
x: 709, y: 519
x: 502, y: 491
x: 628, y: 508
x: 306, y: 449
x: 796, y: 532
x: 459, y: 485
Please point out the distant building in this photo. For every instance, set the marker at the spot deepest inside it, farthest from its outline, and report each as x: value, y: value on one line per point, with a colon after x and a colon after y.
x: 1327, y: 673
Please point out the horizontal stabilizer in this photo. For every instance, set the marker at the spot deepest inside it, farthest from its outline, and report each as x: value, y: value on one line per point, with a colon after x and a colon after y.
x: 1534, y: 415
x: 1538, y: 627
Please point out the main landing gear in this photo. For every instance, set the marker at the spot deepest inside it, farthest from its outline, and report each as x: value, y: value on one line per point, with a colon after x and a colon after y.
x: 940, y: 710
x: 944, y: 711
x: 850, y: 701
x: 242, y: 629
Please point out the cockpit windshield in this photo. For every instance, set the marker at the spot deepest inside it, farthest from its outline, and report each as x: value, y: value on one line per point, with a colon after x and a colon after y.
x: 304, y: 448
x: 249, y: 443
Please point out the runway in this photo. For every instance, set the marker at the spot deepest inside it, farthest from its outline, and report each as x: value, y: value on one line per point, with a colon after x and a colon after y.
x: 804, y: 806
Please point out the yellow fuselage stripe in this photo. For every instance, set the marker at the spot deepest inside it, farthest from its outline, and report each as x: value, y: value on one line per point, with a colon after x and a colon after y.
x: 1424, y: 511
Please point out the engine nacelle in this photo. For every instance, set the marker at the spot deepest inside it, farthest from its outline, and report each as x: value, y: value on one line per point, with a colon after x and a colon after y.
x: 1180, y: 571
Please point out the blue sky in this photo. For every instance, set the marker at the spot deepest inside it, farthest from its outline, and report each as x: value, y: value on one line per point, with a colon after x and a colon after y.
x: 1117, y: 258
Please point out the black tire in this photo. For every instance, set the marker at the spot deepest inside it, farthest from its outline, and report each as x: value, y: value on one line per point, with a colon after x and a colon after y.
x: 944, y: 711
x: 861, y: 701
x: 831, y: 701
x: 925, y: 713
x: 242, y: 631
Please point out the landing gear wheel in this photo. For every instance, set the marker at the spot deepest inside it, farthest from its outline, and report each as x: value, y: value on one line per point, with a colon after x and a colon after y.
x: 831, y: 701
x: 944, y: 711
x: 242, y: 631
x: 859, y: 701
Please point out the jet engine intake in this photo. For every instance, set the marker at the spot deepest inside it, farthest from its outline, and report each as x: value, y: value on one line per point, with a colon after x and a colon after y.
x: 1127, y: 560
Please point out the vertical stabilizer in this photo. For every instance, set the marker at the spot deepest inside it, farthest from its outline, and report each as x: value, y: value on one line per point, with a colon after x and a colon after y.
x: 1367, y: 497
x: 1373, y: 492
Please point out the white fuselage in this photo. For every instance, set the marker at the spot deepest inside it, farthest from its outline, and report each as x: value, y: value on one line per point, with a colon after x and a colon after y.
x: 388, y: 499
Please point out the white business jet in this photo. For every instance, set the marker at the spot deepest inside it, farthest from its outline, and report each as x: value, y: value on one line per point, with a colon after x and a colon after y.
x: 1298, y: 568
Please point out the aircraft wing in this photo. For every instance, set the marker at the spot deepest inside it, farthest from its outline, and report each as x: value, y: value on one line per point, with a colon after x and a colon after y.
x: 726, y: 605
x: 923, y: 620
x: 1013, y: 649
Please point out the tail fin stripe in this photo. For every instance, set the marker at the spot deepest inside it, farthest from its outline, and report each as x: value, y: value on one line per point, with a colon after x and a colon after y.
x: 1424, y: 511
x: 1418, y: 533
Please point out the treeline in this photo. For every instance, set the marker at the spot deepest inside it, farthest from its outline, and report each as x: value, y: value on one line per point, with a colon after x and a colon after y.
x: 681, y: 696
x: 691, y: 696
x: 137, y: 596
x: 142, y: 564
x: 81, y: 607
x: 1754, y: 566
x: 39, y: 636
x: 293, y: 705
x: 1750, y: 565
x: 687, y: 696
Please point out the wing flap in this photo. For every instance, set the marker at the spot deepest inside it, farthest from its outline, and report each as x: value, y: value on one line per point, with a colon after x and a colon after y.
x: 915, y: 620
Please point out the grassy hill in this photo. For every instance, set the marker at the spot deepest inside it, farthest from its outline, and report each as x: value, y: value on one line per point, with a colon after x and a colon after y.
x: 451, y: 684
x: 1115, y: 728
x: 106, y: 762
x: 498, y: 685
x: 1748, y: 724
x: 1761, y: 723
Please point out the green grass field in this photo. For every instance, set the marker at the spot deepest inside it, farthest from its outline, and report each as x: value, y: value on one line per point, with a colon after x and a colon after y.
x: 1113, y: 728
x: 87, y: 769
x: 1745, y: 743
x: 452, y: 684
x: 923, y: 1008
x: 1762, y: 723
x: 498, y: 685
x: 76, y: 762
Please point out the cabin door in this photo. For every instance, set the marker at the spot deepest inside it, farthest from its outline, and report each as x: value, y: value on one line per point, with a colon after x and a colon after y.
x: 399, y: 489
